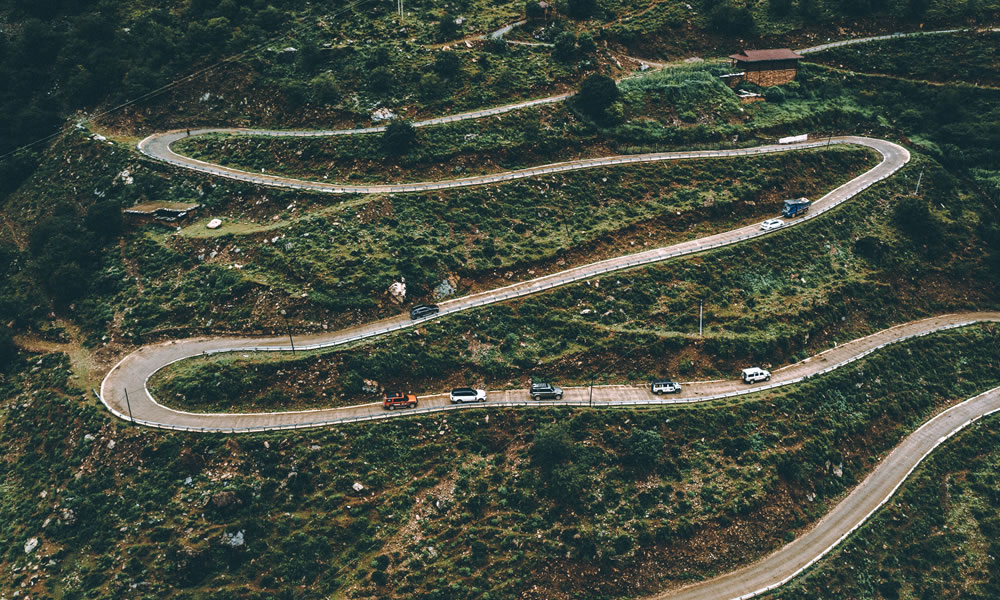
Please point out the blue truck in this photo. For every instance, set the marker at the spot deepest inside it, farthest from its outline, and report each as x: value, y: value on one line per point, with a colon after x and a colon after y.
x: 795, y: 207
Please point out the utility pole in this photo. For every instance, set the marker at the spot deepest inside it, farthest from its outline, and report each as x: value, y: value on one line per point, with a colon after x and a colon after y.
x: 129, y: 405
x: 592, y: 391
x: 400, y: 3
x: 289, y: 329
x: 919, y: 177
x: 701, y: 313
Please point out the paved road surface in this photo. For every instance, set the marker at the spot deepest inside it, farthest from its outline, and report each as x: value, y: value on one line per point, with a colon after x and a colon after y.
x: 133, y: 372
x: 781, y: 566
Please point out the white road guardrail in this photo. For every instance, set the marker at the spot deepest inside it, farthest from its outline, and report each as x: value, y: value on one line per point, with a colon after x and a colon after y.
x: 374, y: 416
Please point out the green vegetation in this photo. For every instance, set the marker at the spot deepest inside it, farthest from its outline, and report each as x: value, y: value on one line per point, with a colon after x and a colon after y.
x: 580, y: 500
x: 936, y: 539
x: 836, y: 279
x: 971, y: 58
x: 468, y: 505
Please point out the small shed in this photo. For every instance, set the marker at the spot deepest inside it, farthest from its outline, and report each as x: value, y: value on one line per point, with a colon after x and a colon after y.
x: 164, y: 212
x: 767, y: 67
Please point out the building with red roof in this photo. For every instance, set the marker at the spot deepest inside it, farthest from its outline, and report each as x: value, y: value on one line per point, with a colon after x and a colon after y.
x: 767, y: 67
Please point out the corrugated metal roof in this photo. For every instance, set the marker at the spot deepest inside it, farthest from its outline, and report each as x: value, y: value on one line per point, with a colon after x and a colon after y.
x: 764, y: 55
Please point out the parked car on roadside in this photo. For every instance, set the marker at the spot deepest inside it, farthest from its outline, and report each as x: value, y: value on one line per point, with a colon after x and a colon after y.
x: 545, y: 391
x: 755, y: 374
x: 423, y: 310
x: 665, y: 386
x: 770, y: 224
x: 394, y: 400
x: 467, y: 395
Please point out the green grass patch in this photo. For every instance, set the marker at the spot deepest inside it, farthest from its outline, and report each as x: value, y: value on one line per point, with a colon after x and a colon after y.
x: 484, y: 503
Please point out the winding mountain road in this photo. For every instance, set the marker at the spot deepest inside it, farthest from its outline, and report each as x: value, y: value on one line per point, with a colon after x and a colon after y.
x: 132, y: 373
x: 124, y: 390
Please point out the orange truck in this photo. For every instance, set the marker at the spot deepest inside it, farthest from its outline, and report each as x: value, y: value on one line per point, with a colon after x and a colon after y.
x: 394, y: 400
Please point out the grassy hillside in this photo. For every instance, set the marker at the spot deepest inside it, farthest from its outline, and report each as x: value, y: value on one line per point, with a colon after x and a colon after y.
x: 581, y: 504
x: 970, y: 58
x: 936, y: 539
x: 509, y: 504
x: 863, y: 268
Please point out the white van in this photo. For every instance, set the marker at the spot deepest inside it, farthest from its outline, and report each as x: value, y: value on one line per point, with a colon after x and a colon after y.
x: 755, y: 374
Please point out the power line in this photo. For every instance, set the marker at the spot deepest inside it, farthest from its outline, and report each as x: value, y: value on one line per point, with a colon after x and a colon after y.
x: 185, y: 78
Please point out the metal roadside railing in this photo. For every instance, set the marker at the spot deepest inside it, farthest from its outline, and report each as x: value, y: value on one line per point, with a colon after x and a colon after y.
x: 592, y: 270
x: 833, y: 198
x: 650, y: 402
x: 319, y: 186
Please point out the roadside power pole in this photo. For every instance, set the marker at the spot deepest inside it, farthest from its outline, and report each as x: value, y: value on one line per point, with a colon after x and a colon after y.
x: 916, y: 192
x: 129, y: 405
x: 288, y: 328
x: 591, y: 402
x: 701, y: 313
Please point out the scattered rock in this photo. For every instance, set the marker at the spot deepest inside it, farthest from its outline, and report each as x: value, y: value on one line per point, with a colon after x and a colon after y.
x: 67, y: 516
x: 431, y: 551
x: 357, y: 486
x: 839, y: 470
x: 214, y: 224
x: 444, y: 289
x: 30, y: 545
x: 224, y: 499
x: 111, y: 444
x: 234, y: 540
x: 89, y: 437
x: 383, y: 114
x: 398, y: 291
x: 811, y: 496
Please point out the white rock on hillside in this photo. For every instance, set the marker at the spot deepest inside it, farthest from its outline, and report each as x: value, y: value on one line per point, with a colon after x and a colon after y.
x: 234, y: 540
x: 398, y: 291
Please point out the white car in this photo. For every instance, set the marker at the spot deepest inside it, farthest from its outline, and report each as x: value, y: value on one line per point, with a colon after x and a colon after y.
x: 467, y: 395
x: 770, y: 224
x: 755, y: 374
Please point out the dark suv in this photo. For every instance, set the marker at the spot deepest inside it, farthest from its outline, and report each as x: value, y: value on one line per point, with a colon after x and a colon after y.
x: 423, y: 310
x: 545, y: 391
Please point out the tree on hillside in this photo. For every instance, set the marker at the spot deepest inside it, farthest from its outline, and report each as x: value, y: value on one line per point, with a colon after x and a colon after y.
x: 399, y: 137
x: 447, y: 64
x: 781, y: 8
x: 104, y: 218
x: 597, y: 93
x: 581, y: 9
x: 324, y: 89
x: 8, y: 352
x: 565, y: 46
x: 533, y: 10
x: 730, y: 19
x: 448, y: 29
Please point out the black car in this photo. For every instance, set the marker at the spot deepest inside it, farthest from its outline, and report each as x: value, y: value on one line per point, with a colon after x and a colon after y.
x: 540, y: 391
x: 423, y: 310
